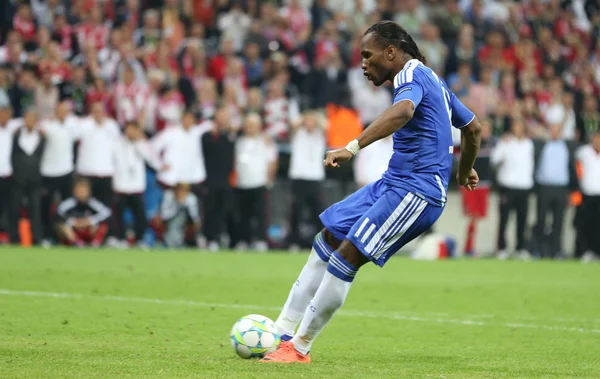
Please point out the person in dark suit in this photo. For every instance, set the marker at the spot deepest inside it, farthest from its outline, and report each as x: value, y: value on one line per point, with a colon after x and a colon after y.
x: 218, y: 147
x: 555, y: 175
x: 26, y: 159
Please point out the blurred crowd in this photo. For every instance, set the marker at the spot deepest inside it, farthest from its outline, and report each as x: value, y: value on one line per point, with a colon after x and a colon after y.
x: 216, y: 97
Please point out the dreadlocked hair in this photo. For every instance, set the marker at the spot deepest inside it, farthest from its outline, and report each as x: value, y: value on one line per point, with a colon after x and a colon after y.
x: 390, y: 33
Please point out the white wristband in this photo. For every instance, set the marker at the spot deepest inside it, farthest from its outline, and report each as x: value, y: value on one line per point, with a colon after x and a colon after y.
x: 353, y: 147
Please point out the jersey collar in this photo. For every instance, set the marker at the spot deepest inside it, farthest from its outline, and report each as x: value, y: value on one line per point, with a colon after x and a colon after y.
x: 411, y: 63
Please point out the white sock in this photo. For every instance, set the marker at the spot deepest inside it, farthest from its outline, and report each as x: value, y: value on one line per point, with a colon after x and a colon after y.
x: 304, y: 288
x: 329, y: 298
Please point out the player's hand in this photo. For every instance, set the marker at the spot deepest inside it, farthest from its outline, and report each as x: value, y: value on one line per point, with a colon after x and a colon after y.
x: 469, y: 182
x: 333, y: 158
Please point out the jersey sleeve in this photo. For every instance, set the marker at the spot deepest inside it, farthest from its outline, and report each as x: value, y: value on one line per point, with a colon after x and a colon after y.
x: 461, y: 115
x: 412, y: 91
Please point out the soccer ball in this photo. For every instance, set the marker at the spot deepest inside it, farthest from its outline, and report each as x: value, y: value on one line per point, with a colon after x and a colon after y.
x: 254, y: 336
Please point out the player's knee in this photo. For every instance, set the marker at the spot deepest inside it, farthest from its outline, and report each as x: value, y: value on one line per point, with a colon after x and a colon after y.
x: 333, y: 242
x: 351, y: 254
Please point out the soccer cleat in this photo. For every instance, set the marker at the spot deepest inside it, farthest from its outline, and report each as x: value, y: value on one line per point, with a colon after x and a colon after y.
x: 286, y: 354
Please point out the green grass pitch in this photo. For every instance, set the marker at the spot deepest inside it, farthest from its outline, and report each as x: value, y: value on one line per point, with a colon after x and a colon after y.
x: 110, y: 314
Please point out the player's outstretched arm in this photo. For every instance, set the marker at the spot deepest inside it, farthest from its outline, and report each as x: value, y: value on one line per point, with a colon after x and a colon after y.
x: 470, y: 142
x: 386, y: 124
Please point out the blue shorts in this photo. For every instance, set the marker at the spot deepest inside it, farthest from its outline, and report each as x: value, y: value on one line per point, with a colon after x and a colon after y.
x: 379, y: 219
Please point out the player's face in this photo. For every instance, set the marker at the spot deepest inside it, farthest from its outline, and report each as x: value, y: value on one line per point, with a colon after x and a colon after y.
x: 376, y: 62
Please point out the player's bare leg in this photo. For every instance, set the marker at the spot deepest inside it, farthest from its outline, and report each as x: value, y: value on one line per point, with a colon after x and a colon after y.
x: 329, y: 297
x: 306, y: 285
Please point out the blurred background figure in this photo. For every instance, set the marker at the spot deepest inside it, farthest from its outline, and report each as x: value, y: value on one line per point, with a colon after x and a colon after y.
x: 179, y: 214
x: 554, y: 176
x: 475, y: 203
x: 7, y: 128
x: 57, y: 163
x: 218, y: 146
x: 26, y: 161
x: 97, y: 137
x: 513, y: 157
x: 308, y: 145
x: 255, y: 167
x: 589, y: 158
x: 131, y: 154
x: 372, y: 161
x: 82, y: 220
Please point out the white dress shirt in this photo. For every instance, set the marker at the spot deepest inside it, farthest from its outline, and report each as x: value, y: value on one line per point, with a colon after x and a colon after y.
x: 182, y: 150
x: 57, y: 159
x: 253, y: 155
x: 29, y: 140
x: 308, y: 152
x: 96, y: 148
x: 515, y: 162
x: 371, y: 162
x: 590, y: 160
x: 6, y: 141
x: 130, y: 169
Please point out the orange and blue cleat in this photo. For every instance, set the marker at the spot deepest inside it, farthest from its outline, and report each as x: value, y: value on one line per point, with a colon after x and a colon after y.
x: 286, y: 354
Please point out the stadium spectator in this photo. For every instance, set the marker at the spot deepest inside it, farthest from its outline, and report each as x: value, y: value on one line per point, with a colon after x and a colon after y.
x: 131, y: 154
x: 280, y: 111
x: 208, y: 98
x: 554, y: 172
x: 328, y: 78
x: 371, y: 162
x: 179, y: 208
x: 97, y: 137
x: 590, y: 118
x: 46, y: 97
x: 432, y: 46
x: 149, y: 115
x: 460, y: 82
x: 589, y: 158
x: 149, y: 35
x: 26, y: 160
x: 129, y: 97
x: 181, y: 149
x: 343, y: 121
x: 475, y: 203
x: 255, y: 101
x: 7, y: 128
x: 514, y: 158
x: 308, y: 146
x: 218, y: 146
x: 57, y: 161
x: 75, y: 91
x: 234, y: 25
x: 255, y: 167
x: 22, y: 94
x: 171, y: 106
x: 81, y: 219
x: 369, y: 100
x: 253, y: 64
x: 483, y: 95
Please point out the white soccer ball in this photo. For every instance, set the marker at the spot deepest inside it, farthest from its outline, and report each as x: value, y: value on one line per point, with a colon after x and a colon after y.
x: 254, y: 336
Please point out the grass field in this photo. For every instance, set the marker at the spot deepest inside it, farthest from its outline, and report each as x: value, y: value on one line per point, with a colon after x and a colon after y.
x: 107, y: 314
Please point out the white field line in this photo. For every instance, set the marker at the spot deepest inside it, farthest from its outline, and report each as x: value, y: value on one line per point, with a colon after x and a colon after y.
x: 342, y: 312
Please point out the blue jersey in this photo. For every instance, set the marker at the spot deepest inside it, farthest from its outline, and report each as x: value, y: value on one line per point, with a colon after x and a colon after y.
x: 422, y: 159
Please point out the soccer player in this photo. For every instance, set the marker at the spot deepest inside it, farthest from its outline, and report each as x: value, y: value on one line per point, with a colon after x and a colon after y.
x: 376, y: 221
